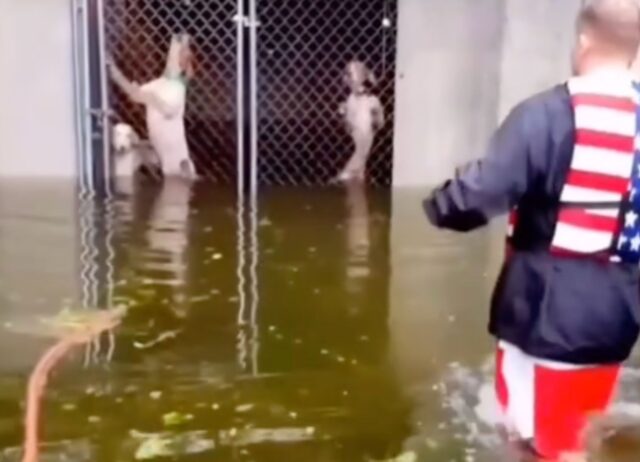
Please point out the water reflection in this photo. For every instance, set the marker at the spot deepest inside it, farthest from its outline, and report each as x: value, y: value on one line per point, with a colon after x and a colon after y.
x: 300, y: 325
x: 358, y: 237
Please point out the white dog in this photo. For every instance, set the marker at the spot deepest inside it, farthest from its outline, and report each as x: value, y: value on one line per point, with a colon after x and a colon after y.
x: 131, y: 152
x: 165, y: 101
x: 363, y: 115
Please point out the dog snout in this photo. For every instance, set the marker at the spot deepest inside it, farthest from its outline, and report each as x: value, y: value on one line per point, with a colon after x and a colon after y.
x: 183, y: 38
x: 123, y: 137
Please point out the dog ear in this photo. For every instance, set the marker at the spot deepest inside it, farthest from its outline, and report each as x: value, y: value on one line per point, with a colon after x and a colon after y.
x: 371, y: 77
x: 189, y: 70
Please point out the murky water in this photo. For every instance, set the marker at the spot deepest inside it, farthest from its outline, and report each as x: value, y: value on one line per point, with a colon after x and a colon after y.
x: 312, y: 325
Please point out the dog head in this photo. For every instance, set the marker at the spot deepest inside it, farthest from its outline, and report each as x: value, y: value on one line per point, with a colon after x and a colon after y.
x: 124, y: 138
x: 357, y: 75
x: 180, y: 57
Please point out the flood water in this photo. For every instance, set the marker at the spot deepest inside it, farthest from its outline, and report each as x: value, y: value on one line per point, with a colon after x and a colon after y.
x: 309, y: 325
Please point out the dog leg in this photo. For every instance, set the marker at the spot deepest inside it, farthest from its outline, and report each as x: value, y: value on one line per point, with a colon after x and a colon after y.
x: 131, y: 89
x: 140, y: 94
x: 187, y: 169
x: 356, y: 167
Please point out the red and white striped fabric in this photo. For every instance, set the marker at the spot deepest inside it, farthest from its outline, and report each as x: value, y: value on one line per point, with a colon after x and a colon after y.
x: 549, y: 403
x: 602, y: 163
x: 513, y: 222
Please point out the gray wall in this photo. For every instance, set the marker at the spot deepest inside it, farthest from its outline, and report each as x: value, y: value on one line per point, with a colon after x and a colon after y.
x: 462, y: 64
x: 36, y: 89
x: 37, y: 139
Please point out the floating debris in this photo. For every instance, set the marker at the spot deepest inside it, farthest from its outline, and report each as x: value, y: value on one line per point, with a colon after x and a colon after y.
x: 409, y: 456
x: 155, y: 395
x: 199, y: 298
x: 153, y: 447
x: 251, y: 436
x: 75, y: 323
x: 217, y: 256
x: 242, y: 408
x: 432, y: 444
x: 163, y: 337
x: 173, y: 419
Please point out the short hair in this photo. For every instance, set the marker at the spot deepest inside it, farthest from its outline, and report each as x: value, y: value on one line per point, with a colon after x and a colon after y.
x: 614, y: 24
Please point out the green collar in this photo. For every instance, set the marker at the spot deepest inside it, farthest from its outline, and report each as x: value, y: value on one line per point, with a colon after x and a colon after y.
x: 180, y: 78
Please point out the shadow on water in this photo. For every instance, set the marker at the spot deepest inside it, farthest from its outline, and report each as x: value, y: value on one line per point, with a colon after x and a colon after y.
x: 312, y: 325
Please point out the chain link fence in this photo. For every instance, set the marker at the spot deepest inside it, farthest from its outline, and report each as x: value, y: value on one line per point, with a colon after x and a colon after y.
x: 137, y: 36
x: 303, y: 48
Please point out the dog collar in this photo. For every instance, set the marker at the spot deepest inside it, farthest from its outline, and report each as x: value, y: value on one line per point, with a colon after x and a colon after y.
x: 180, y: 78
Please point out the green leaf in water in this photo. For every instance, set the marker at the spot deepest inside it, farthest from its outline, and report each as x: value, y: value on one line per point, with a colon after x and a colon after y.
x: 154, y: 446
x: 173, y: 419
x: 408, y: 456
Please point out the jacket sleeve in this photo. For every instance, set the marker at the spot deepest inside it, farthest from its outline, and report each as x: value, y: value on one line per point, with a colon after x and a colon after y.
x: 493, y: 185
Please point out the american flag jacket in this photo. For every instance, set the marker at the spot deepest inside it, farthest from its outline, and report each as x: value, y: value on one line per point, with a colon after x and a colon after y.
x: 565, y: 166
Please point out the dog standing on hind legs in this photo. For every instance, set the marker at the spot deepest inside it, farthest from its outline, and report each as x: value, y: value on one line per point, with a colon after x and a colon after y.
x: 363, y: 115
x: 165, y: 99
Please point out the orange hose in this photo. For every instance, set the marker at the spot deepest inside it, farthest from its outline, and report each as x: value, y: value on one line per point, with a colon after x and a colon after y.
x: 38, y: 381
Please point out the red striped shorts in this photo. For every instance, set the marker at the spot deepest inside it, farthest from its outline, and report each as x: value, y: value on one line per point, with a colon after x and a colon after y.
x: 547, y: 402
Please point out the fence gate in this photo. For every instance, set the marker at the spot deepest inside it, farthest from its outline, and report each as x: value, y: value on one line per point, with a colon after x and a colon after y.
x: 137, y: 36
x: 302, y: 50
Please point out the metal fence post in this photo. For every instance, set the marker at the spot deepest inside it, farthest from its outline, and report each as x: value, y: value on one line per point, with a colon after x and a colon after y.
x: 253, y: 85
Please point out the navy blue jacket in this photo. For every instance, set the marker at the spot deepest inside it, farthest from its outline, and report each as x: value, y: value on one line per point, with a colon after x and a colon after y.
x: 580, y: 311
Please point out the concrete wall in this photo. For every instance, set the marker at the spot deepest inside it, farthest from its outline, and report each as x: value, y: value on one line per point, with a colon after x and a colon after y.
x: 36, y: 89
x: 462, y: 64
x: 37, y: 139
